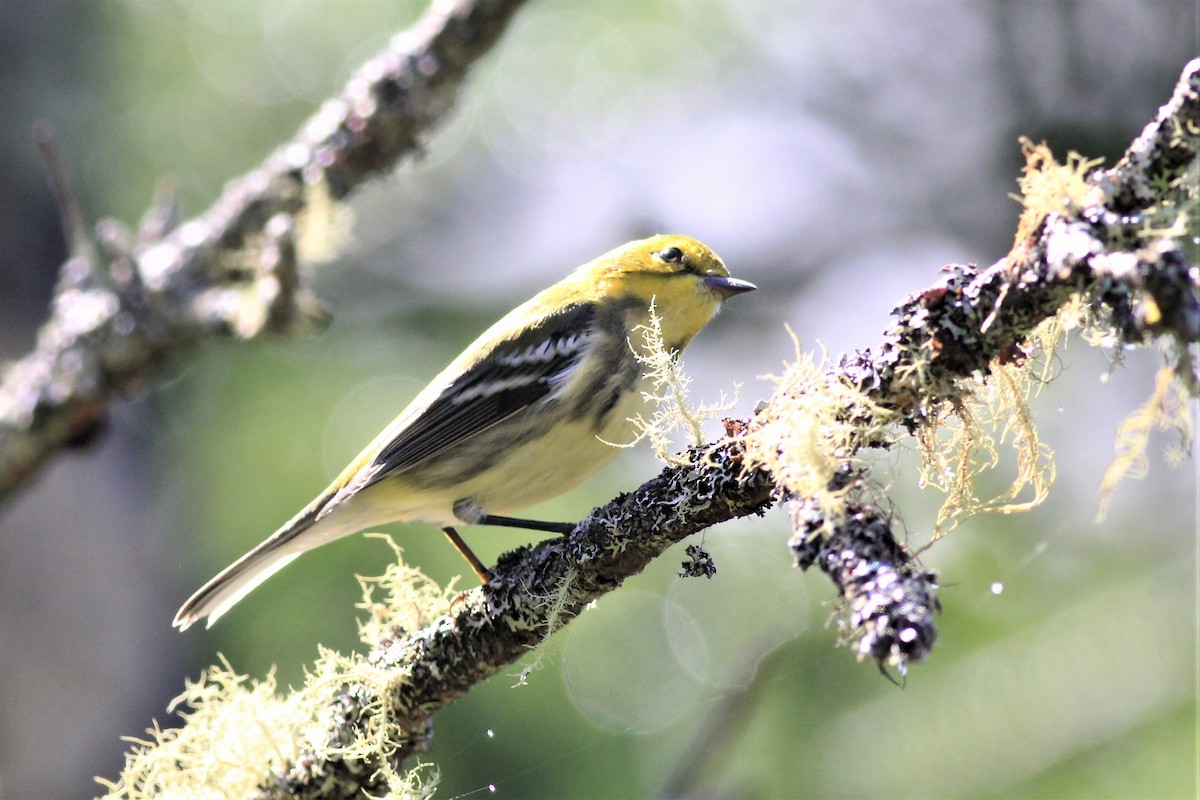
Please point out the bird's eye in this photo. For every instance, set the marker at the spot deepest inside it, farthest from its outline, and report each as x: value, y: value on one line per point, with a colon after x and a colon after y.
x: 671, y: 255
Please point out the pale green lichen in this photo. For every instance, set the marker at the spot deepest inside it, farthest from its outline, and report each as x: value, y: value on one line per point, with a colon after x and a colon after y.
x: 960, y: 443
x: 324, y: 225
x: 409, y: 602
x: 1169, y: 408
x: 236, y: 732
x: 1048, y: 187
x: 553, y: 605
x: 669, y: 395
x: 813, y: 423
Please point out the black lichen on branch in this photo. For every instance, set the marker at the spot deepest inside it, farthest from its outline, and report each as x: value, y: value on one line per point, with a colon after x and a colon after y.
x: 699, y: 563
x: 890, y: 601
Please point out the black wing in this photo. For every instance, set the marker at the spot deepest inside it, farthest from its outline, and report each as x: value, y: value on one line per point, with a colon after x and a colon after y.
x: 516, y: 374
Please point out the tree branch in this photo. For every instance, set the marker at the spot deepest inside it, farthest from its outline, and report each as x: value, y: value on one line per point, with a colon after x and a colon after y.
x: 534, y: 591
x: 136, y: 303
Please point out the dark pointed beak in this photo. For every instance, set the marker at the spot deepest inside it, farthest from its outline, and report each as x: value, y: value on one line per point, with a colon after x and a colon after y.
x: 728, y: 287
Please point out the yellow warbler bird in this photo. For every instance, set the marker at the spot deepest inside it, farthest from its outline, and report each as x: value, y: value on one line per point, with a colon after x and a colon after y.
x: 525, y: 413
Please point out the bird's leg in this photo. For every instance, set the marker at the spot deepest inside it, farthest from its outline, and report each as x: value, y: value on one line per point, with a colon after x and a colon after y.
x: 527, y: 524
x: 483, y: 572
x: 471, y: 513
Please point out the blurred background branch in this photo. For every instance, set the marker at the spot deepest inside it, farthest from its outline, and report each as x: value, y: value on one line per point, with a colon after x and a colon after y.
x: 124, y: 310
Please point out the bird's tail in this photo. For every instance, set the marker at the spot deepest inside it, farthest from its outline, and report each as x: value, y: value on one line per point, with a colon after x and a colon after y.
x: 304, y: 532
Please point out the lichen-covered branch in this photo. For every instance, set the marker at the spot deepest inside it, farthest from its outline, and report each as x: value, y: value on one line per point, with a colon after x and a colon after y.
x: 126, y: 304
x: 973, y: 316
x: 535, y: 590
x: 347, y: 732
x: 1114, y: 242
x: 1082, y: 247
x: 1161, y: 155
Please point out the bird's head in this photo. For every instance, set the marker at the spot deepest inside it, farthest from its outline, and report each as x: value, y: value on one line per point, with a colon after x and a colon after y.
x: 685, y: 279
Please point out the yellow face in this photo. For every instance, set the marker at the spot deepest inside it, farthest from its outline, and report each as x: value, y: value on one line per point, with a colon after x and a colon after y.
x: 686, y: 280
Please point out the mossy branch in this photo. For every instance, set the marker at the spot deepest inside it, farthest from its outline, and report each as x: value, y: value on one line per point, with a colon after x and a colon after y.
x: 127, y: 304
x: 1107, y: 245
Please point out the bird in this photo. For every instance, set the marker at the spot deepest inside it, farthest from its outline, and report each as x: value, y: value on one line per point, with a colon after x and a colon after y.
x: 526, y: 412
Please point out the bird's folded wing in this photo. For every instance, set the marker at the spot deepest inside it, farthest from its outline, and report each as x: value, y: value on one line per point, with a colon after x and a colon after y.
x: 514, y: 374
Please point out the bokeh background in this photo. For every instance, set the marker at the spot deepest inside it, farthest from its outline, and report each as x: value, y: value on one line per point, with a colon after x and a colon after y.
x: 836, y: 155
